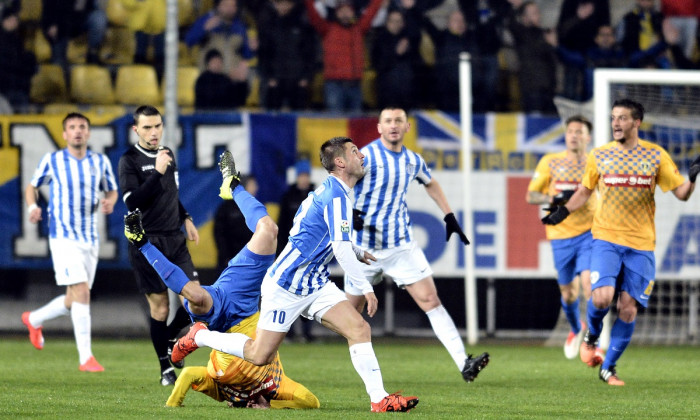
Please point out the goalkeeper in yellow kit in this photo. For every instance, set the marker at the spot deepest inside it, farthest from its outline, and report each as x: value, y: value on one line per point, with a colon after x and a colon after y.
x: 240, y: 383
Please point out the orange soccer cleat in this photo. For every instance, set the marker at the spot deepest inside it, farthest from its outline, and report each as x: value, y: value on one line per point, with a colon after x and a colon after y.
x: 395, y: 402
x: 35, y: 335
x: 186, y: 344
x: 91, y: 365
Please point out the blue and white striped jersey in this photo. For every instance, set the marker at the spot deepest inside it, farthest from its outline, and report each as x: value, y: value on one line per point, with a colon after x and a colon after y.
x: 74, y: 192
x: 381, y: 195
x: 324, y: 216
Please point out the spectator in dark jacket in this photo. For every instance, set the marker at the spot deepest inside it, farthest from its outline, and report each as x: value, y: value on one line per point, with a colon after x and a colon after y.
x: 18, y: 65
x: 286, y: 56
x: 395, y: 58
x: 449, y: 43
x: 214, y: 89
x: 535, y: 48
x: 641, y: 29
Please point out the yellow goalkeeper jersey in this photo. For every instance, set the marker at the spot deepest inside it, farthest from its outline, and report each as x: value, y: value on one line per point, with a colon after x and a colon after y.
x: 626, y: 180
x: 556, y: 173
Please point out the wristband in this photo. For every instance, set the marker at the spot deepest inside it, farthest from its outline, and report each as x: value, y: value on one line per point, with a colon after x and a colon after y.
x: 32, y: 207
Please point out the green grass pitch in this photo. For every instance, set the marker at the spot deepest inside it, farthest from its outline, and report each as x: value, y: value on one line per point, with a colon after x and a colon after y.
x: 523, y: 381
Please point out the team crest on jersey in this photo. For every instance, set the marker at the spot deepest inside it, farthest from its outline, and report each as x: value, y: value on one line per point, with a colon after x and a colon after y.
x: 411, y: 169
x: 645, y: 166
x: 344, y: 226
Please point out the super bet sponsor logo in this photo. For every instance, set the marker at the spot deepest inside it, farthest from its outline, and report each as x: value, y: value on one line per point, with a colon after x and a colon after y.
x: 623, y: 180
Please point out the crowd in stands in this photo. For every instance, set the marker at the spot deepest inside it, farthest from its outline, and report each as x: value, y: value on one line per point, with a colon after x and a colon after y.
x: 341, y: 55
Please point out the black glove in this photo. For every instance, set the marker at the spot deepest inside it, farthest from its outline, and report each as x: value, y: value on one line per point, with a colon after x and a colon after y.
x: 562, y: 198
x: 694, y: 170
x: 358, y: 223
x: 556, y: 216
x: 453, y: 227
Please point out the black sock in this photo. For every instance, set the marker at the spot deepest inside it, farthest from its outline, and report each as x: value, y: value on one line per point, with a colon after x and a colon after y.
x: 159, y: 337
x: 180, y: 321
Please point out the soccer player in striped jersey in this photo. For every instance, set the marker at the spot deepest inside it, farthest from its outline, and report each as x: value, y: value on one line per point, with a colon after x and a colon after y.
x: 556, y: 177
x: 383, y: 228
x: 297, y: 284
x: 148, y: 177
x: 76, y: 178
x: 626, y: 172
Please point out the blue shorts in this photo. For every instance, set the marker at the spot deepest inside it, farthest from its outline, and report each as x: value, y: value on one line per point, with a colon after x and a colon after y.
x: 572, y: 256
x: 236, y: 293
x: 638, y: 269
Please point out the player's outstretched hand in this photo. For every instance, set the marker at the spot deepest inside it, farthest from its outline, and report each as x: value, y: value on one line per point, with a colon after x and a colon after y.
x: 358, y: 223
x: 562, y: 198
x: 556, y: 216
x: 453, y: 227
x: 694, y: 170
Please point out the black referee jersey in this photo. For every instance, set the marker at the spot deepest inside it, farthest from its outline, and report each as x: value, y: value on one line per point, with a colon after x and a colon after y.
x: 154, y: 194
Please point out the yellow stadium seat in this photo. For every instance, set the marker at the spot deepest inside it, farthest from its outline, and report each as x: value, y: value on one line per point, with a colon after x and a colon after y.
x: 48, y: 85
x: 369, y: 92
x: 30, y: 11
x: 186, y: 79
x: 77, y: 50
x: 117, y: 15
x: 41, y: 47
x: 185, y: 13
x: 137, y: 84
x: 118, y: 46
x: 61, y: 108
x: 253, y: 99
x: 91, y: 84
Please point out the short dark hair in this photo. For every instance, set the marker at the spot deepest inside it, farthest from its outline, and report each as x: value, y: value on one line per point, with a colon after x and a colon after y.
x: 145, y: 110
x: 332, y: 149
x: 636, y: 108
x: 72, y: 115
x: 579, y: 119
x: 212, y: 53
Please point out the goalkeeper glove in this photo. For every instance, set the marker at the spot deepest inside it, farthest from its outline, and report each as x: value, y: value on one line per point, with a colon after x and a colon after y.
x: 694, y: 170
x: 453, y: 227
x: 556, y: 216
x: 358, y: 222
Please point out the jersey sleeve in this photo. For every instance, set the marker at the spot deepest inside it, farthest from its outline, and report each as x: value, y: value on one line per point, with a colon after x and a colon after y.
x: 338, y: 217
x: 668, y: 177
x: 42, y: 173
x: 109, y: 181
x: 541, y: 177
x: 197, y: 378
x: 423, y: 176
x: 590, y: 174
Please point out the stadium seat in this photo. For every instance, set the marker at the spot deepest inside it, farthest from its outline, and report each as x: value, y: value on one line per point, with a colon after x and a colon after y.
x: 48, y: 85
x: 60, y: 108
x: 91, y: 84
x: 137, y: 84
x: 185, y: 13
x: 186, y: 79
x: 77, y: 50
x: 369, y: 92
x: 117, y: 15
x: 253, y: 99
x: 119, y: 46
x: 30, y: 11
x: 40, y: 46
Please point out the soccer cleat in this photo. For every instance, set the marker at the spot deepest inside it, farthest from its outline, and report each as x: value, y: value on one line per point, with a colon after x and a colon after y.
x: 133, y: 229
x: 474, y: 365
x: 168, y: 377
x: 395, y: 402
x: 35, y: 335
x: 610, y: 376
x: 181, y: 363
x: 91, y: 366
x: 186, y: 344
x: 231, y: 177
x: 588, y: 350
x: 573, y: 342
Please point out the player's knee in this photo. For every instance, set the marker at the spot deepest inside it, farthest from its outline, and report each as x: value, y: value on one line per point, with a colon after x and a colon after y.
x: 266, y: 226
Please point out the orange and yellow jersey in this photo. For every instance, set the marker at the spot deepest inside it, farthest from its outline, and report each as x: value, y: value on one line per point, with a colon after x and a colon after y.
x: 239, y: 380
x: 626, y: 180
x: 555, y: 173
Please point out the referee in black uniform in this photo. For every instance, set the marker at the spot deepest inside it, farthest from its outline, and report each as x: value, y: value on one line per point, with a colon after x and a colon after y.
x: 149, y: 179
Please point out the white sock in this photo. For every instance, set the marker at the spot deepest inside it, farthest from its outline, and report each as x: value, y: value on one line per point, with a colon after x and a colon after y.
x: 80, y: 315
x: 231, y: 343
x: 448, y: 335
x: 53, y: 309
x: 367, y: 366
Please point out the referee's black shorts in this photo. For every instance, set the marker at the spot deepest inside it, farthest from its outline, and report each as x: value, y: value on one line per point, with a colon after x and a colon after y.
x: 174, y: 248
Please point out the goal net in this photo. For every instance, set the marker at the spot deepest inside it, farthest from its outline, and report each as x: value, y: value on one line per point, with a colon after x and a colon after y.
x: 671, y: 100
